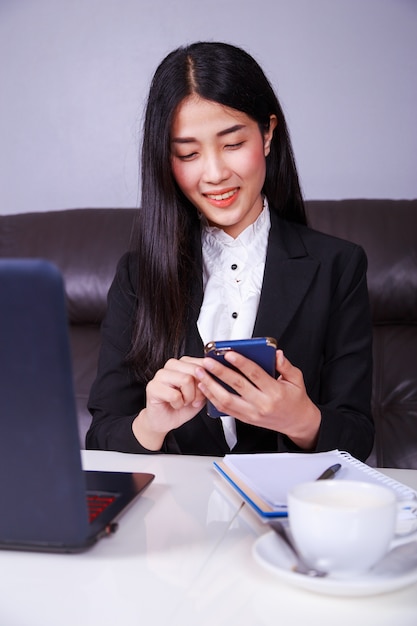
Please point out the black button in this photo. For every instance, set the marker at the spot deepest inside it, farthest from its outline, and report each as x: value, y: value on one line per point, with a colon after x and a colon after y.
x: 234, y: 315
x: 234, y: 266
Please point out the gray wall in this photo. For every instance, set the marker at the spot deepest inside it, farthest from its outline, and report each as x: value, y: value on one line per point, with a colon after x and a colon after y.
x: 74, y: 75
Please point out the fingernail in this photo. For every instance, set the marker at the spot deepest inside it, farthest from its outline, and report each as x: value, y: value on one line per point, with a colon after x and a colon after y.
x: 199, y: 373
x: 209, y: 363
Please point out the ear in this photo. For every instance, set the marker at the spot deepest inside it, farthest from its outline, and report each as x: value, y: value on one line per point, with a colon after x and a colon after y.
x: 269, y: 134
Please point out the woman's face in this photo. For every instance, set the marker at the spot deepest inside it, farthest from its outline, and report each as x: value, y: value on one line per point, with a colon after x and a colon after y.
x: 218, y: 161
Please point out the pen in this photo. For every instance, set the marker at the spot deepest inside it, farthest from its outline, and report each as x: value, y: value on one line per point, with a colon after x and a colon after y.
x: 330, y: 472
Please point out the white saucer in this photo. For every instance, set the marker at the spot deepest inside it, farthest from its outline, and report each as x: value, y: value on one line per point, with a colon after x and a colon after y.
x: 272, y: 554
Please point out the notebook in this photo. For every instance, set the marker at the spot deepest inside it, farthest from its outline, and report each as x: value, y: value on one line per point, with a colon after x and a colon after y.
x: 44, y: 490
x: 263, y: 480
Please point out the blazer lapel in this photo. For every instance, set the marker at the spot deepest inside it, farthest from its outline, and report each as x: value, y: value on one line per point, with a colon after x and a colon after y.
x: 288, y: 274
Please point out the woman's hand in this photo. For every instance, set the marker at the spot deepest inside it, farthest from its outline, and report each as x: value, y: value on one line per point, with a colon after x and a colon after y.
x: 281, y: 405
x: 172, y: 398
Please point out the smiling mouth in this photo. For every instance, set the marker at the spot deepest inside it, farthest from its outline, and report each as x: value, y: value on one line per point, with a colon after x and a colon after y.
x: 221, y: 196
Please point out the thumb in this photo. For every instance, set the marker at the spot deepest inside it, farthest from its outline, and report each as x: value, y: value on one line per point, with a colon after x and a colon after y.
x: 287, y: 370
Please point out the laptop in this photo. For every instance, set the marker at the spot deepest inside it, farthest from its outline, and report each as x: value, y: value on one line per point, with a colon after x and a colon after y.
x: 45, y: 494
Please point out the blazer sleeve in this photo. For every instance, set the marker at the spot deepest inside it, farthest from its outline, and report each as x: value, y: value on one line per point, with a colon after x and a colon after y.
x: 116, y: 397
x: 341, y: 376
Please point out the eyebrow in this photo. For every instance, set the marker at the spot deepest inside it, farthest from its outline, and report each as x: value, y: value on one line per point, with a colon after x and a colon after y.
x: 222, y: 133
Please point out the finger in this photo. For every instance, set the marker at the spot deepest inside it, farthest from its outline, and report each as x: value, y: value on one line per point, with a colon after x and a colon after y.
x: 237, y: 404
x: 233, y: 377
x: 184, y: 364
x: 177, y: 398
x: 288, y: 371
x: 224, y: 400
x: 193, y: 360
x: 251, y: 370
x: 173, y: 373
x: 177, y: 388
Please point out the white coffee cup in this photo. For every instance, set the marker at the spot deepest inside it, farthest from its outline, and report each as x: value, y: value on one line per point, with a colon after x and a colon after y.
x: 342, y: 527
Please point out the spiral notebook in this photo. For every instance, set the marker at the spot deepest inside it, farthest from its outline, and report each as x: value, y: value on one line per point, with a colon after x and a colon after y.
x: 263, y: 480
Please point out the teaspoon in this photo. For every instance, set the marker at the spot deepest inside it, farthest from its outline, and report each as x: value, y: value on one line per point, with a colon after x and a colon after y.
x: 301, y: 567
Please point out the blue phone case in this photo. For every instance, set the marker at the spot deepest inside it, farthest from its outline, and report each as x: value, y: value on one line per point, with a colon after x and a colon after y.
x: 260, y: 350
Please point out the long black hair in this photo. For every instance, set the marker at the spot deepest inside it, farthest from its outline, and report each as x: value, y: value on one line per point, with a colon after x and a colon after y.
x: 168, y: 222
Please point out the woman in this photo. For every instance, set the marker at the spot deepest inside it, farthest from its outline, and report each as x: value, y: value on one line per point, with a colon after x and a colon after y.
x: 222, y: 251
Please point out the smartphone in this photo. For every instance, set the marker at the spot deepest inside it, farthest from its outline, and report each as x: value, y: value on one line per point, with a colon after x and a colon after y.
x: 260, y: 350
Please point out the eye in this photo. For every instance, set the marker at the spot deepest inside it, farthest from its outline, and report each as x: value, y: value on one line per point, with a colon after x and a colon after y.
x: 234, y: 146
x: 186, y: 157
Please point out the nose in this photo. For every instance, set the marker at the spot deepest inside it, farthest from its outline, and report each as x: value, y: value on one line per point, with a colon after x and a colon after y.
x: 215, y: 169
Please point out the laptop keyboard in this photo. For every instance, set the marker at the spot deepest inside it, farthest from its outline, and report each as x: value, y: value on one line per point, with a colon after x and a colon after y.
x: 97, y: 503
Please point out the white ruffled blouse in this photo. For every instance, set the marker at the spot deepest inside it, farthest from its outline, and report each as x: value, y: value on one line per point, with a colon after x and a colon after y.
x: 233, y: 272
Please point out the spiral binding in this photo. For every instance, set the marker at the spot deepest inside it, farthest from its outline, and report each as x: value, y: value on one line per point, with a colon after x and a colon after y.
x: 403, y: 491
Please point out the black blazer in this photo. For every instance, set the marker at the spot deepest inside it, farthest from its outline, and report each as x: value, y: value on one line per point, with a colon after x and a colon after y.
x: 314, y: 301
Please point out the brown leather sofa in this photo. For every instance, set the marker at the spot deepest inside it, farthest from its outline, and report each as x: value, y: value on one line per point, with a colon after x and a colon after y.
x: 87, y: 243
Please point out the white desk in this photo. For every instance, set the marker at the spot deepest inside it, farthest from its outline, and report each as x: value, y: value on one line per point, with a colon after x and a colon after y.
x: 181, y: 556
